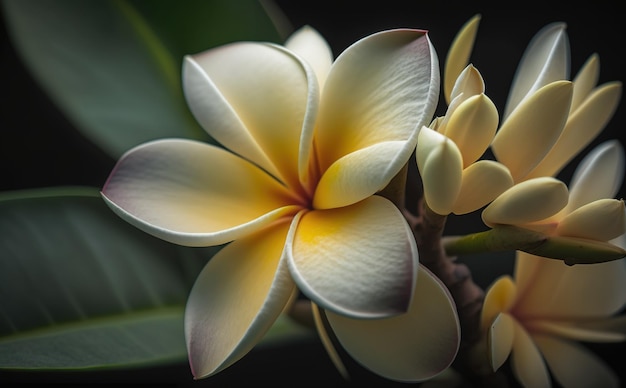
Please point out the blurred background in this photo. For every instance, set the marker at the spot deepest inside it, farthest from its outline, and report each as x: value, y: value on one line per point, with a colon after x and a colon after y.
x: 41, y: 147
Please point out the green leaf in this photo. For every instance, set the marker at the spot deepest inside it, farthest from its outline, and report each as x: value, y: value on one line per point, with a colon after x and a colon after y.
x: 190, y: 26
x: 81, y: 288
x: 130, y: 339
x: 113, y: 66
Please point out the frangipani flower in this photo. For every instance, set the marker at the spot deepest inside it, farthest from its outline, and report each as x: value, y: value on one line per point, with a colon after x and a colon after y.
x: 587, y: 212
x: 447, y: 153
x: 310, y: 143
x: 538, y: 315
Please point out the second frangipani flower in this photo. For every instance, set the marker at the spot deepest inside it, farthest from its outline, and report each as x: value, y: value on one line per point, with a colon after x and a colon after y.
x: 538, y: 316
x: 310, y: 143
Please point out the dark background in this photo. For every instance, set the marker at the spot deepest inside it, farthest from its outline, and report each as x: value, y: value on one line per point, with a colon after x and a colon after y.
x: 39, y: 147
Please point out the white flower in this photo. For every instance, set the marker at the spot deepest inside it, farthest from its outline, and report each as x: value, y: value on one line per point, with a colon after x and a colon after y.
x: 309, y: 144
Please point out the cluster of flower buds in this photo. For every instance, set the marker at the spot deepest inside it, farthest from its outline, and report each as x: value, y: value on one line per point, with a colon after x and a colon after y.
x: 537, y: 314
x: 547, y: 121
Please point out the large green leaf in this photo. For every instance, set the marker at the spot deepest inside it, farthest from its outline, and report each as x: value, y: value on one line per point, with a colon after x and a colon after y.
x: 191, y: 26
x: 81, y: 288
x: 113, y: 66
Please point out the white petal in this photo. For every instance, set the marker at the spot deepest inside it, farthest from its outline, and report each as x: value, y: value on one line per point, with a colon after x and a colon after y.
x: 586, y: 80
x: 441, y: 166
x: 255, y: 99
x: 459, y: 54
x: 195, y: 194
x: 586, y: 331
x: 573, y: 365
x: 525, y: 269
x: 581, y: 128
x: 382, y: 88
x: 500, y: 339
x: 472, y: 127
x: 526, y: 361
x: 529, y: 201
x: 359, y: 260
x: 601, y: 220
x: 481, y: 183
x: 361, y: 174
x: 411, y: 347
x: 546, y: 59
x: 235, y: 300
x: 556, y: 290
x: 620, y: 241
x: 499, y: 298
x: 469, y: 83
x: 599, y: 175
x: 614, y: 326
x: 310, y: 45
x: 526, y: 136
x: 435, y: 124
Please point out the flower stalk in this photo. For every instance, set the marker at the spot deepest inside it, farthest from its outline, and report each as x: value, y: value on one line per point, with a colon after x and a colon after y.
x: 508, y: 237
x: 428, y: 229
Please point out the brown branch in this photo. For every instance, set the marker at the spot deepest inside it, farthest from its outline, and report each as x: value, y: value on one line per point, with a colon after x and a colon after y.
x: 428, y: 229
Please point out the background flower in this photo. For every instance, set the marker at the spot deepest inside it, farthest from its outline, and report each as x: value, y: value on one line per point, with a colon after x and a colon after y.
x: 548, y: 305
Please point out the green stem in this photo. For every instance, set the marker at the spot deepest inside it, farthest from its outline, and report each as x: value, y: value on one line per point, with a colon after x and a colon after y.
x: 571, y: 250
x: 468, y: 296
x: 502, y: 238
